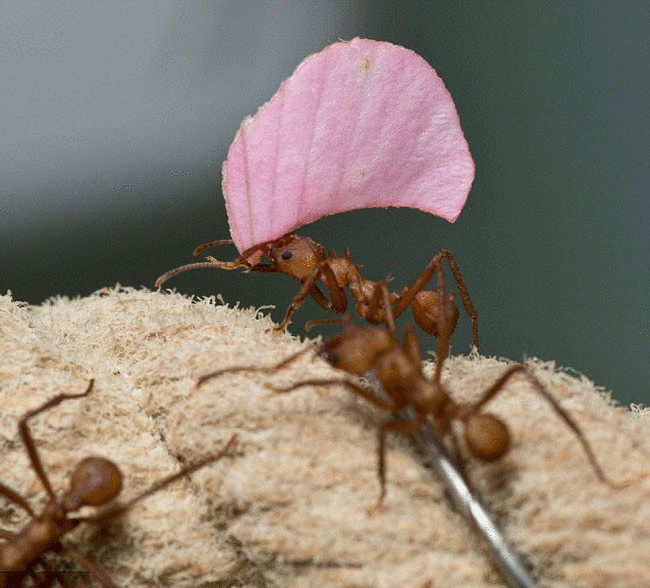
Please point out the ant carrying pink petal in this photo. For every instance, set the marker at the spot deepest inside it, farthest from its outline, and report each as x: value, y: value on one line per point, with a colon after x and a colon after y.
x: 361, y: 124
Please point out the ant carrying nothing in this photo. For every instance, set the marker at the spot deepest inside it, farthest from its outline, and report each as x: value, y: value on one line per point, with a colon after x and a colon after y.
x: 95, y: 481
x: 304, y: 259
x: 398, y: 369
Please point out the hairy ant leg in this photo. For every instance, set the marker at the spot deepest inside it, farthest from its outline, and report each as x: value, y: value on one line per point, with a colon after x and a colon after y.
x: 381, y: 299
x: 487, y: 436
x: 378, y: 310
x: 338, y: 302
x: 471, y: 412
x: 269, y: 370
x: 16, y: 498
x: 392, y: 426
x: 424, y: 302
x: 447, y: 311
x: 353, y: 386
x: 309, y: 325
x: 369, y: 341
x: 411, y: 346
x: 34, y: 457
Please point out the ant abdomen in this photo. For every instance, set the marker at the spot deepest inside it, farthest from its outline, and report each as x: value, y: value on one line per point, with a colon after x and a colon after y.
x: 356, y: 351
x: 487, y: 436
x: 427, y: 309
x: 94, y: 482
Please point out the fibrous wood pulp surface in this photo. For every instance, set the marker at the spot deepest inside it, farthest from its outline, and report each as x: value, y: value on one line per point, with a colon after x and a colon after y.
x: 287, y: 506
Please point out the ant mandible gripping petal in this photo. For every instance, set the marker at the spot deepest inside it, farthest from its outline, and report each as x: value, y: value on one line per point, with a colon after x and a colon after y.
x: 361, y: 124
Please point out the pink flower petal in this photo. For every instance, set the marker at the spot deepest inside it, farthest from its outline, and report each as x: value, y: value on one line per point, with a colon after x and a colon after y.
x: 361, y: 124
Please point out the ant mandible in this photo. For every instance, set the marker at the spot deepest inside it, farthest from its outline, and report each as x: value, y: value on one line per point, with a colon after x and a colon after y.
x: 95, y: 481
x: 302, y: 258
x: 398, y: 369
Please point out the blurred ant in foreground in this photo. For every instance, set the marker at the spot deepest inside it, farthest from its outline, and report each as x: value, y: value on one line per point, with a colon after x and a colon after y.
x: 95, y: 481
x: 304, y: 259
x: 398, y: 368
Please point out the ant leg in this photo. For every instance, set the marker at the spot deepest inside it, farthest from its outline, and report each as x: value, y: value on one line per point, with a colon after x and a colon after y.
x: 402, y: 428
x: 305, y: 289
x: 93, y: 569
x: 382, y: 296
x: 231, y: 370
x: 493, y: 390
x: 16, y: 498
x: 186, y: 471
x: 407, y: 296
x: 29, y: 442
x: 354, y: 387
x: 338, y: 302
x: 309, y: 325
x: 464, y: 294
x: 445, y: 329
x: 411, y: 346
x: 251, y: 368
x: 496, y: 387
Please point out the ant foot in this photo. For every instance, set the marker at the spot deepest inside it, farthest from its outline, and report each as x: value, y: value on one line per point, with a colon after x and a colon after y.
x: 370, y: 511
x: 275, y: 330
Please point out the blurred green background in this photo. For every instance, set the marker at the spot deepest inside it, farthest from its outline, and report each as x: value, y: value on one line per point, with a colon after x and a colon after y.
x: 115, y: 118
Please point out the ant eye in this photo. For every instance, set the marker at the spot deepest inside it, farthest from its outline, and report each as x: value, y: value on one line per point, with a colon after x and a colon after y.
x: 287, y: 255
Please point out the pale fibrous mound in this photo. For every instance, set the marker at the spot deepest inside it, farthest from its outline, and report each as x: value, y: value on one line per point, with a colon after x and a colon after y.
x: 287, y: 506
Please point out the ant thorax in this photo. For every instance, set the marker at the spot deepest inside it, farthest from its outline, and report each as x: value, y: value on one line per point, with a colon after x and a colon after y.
x: 398, y: 374
x: 346, y: 273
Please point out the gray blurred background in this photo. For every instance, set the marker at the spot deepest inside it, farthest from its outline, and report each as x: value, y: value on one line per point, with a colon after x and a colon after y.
x: 115, y: 118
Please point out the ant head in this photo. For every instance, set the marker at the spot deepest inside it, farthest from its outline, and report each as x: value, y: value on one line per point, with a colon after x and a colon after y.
x: 95, y: 481
x: 294, y: 255
x: 487, y: 436
x: 356, y: 348
x: 431, y: 313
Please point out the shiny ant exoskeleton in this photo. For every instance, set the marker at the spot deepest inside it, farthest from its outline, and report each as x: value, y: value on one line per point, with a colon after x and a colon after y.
x: 399, y: 371
x: 95, y: 481
x: 307, y: 261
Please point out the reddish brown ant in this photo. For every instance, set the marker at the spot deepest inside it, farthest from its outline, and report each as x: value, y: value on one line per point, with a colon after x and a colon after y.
x: 398, y: 368
x: 307, y: 261
x: 95, y: 481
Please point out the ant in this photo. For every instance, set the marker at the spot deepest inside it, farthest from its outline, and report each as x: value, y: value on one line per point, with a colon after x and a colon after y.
x: 95, y: 481
x: 398, y: 368
x: 307, y: 261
